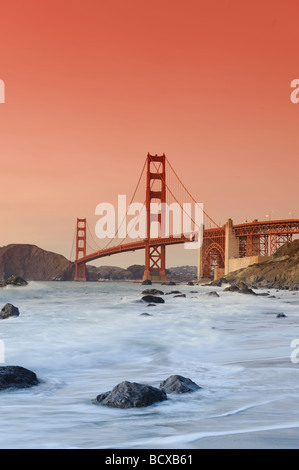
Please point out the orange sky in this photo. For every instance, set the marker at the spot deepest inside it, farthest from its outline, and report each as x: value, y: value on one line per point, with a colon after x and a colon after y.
x: 92, y: 86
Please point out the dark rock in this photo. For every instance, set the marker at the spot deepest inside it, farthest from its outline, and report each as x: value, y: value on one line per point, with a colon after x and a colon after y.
x: 244, y: 290
x: 213, y: 294
x: 16, y: 376
x: 178, y: 384
x: 242, y: 285
x: 153, y: 299
x: 151, y: 305
x: 130, y: 394
x: 249, y: 291
x: 152, y: 292
x: 218, y: 282
x: 9, y: 310
x: 169, y: 283
x: 190, y: 283
x: 232, y: 289
x: 280, y: 315
x: 13, y: 281
x: 145, y: 314
x: 147, y: 282
x: 179, y: 295
x: 193, y: 292
x: 173, y: 292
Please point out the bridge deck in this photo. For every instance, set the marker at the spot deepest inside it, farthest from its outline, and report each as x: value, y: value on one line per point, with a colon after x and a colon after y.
x: 273, y: 227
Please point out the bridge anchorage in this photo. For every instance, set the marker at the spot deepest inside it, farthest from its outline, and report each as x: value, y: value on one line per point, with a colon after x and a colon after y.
x: 223, y: 249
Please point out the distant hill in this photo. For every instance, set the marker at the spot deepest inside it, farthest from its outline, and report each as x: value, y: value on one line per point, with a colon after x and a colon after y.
x: 34, y: 264
x: 108, y: 272
x: 135, y: 272
x: 182, y: 273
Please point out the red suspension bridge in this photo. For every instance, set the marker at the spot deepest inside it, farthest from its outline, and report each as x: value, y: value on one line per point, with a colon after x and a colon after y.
x: 217, y: 245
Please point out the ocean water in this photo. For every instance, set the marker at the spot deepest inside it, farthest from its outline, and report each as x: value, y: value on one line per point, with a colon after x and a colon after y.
x: 82, y: 339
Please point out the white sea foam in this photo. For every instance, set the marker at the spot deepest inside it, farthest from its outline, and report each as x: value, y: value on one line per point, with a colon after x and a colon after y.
x: 81, y: 339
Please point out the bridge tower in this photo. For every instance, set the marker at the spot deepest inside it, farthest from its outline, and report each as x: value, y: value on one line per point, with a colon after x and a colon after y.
x: 80, y: 270
x: 154, y: 255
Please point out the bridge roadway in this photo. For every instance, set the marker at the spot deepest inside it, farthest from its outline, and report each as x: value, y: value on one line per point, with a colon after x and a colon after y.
x: 269, y: 227
x: 133, y: 246
x: 217, y: 242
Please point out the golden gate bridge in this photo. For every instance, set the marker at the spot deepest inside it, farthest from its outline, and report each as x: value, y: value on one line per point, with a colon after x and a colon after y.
x: 218, y: 243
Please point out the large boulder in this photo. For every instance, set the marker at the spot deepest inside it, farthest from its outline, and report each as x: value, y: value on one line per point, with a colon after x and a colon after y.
x: 152, y: 292
x: 178, y: 384
x: 243, y: 290
x: 16, y: 377
x: 9, y: 310
x: 213, y: 294
x: 129, y: 395
x: 146, y: 282
x: 13, y: 281
x: 217, y: 282
x: 232, y: 289
x: 153, y: 299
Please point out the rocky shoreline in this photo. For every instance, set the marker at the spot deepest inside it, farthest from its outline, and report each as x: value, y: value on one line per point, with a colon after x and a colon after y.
x: 281, y: 272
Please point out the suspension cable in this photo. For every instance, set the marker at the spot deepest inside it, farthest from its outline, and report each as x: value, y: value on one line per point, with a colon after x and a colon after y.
x: 125, y: 216
x: 98, y: 246
x: 72, y: 245
x: 189, y: 192
x: 152, y: 183
x: 175, y: 197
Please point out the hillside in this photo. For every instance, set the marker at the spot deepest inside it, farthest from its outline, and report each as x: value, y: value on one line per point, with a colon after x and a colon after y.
x: 182, y: 273
x: 34, y: 264
x: 108, y: 272
x: 281, y: 272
